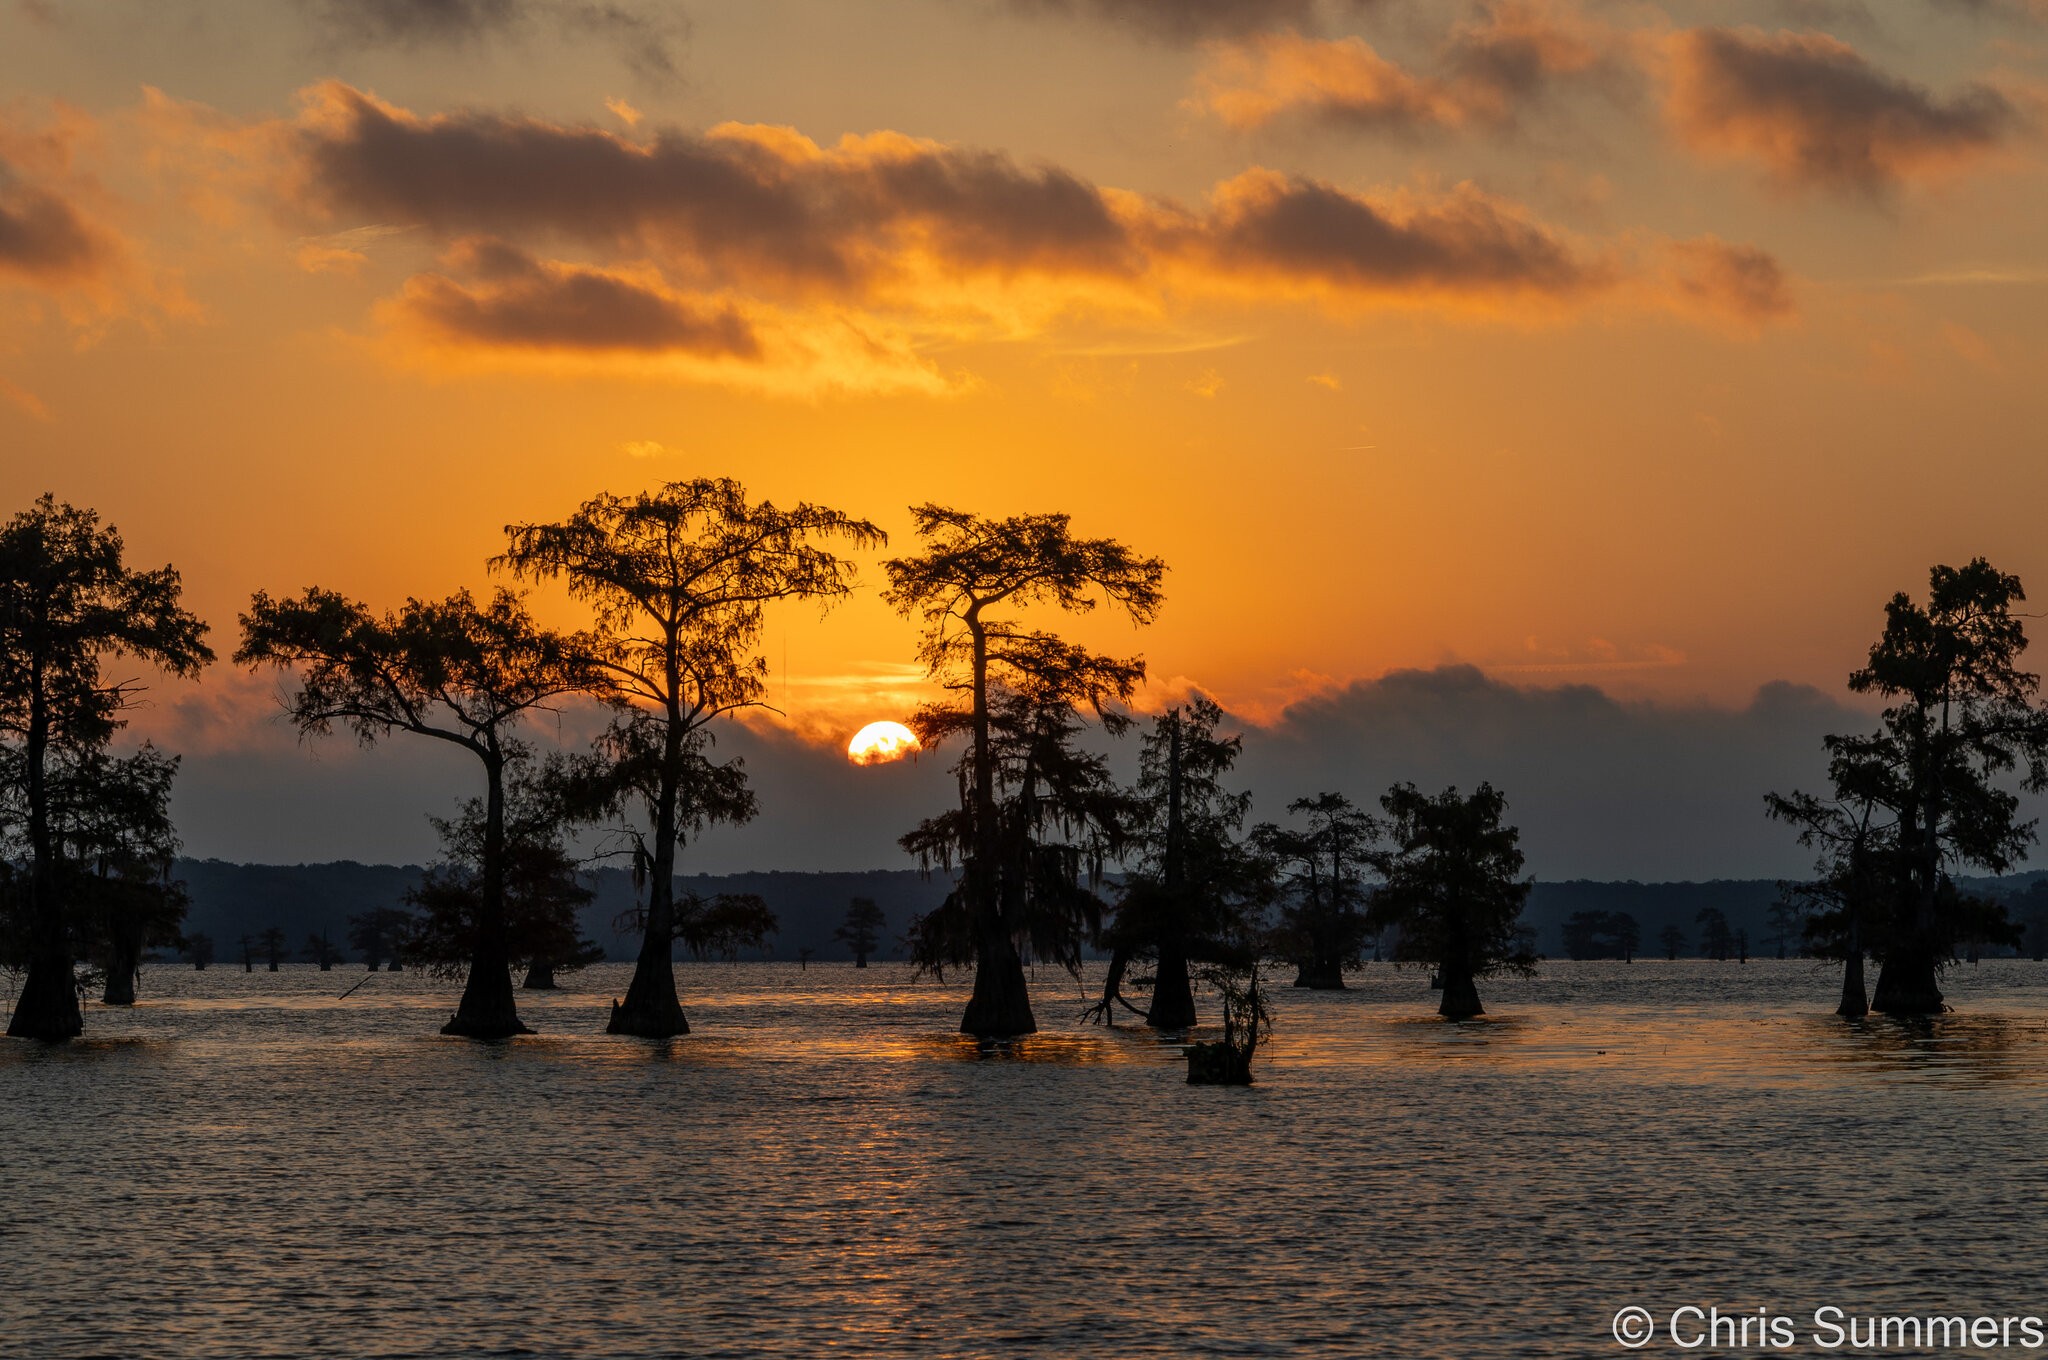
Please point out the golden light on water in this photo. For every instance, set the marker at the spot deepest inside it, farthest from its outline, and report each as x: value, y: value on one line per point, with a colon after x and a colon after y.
x: 881, y: 742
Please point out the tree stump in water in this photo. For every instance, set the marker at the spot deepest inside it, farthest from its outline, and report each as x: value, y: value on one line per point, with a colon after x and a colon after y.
x: 1218, y: 1064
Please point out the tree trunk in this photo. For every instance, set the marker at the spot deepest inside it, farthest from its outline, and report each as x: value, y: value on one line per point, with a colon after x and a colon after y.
x: 1907, y: 985
x: 1001, y: 1005
x: 123, y: 961
x: 1322, y: 975
x: 1855, y: 1004
x: 1461, y: 994
x: 652, y: 1009
x: 488, y: 1009
x: 1173, y: 999
x: 47, y: 1008
x: 540, y: 976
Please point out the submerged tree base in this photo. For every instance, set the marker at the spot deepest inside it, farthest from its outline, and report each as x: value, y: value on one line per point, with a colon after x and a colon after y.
x: 484, y: 1026
x: 1906, y: 986
x: 1218, y: 1064
x: 487, y: 1010
x: 1001, y: 1005
x: 1461, y: 997
x: 1173, y: 997
x: 651, y: 1009
x: 540, y: 977
x: 47, y: 1009
x: 1320, y: 979
x: 647, y: 1022
x: 1855, y: 1003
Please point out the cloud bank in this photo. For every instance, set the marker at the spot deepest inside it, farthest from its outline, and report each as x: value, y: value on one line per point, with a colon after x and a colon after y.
x: 757, y: 246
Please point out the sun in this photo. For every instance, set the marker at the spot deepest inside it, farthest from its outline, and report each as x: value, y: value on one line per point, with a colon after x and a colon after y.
x: 881, y: 742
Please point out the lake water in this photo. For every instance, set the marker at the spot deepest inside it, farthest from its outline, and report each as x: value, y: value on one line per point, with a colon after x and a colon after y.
x: 245, y: 1165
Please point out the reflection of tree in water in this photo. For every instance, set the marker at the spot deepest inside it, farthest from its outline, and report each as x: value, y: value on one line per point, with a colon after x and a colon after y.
x: 1952, y: 1047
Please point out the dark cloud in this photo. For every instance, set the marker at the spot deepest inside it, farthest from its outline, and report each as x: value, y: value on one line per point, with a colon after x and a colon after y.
x: 1306, y: 230
x: 644, y: 38
x: 1600, y: 788
x: 43, y: 238
x: 914, y: 233
x: 1738, y: 281
x: 417, y: 21
x: 1486, y: 73
x: 761, y: 205
x: 1186, y: 21
x: 514, y: 301
x: 1813, y: 111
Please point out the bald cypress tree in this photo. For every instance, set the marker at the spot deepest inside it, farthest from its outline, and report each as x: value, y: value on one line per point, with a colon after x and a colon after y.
x: 1935, y: 789
x: 1321, y: 862
x: 1193, y: 886
x: 1036, y: 815
x: 679, y: 579
x: 453, y: 671
x: 1454, y: 888
x: 68, y: 602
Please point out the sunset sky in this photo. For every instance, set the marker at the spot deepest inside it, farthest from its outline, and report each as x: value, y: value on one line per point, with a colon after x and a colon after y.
x: 1633, y: 346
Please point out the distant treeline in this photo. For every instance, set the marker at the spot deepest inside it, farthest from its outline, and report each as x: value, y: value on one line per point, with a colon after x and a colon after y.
x: 232, y: 900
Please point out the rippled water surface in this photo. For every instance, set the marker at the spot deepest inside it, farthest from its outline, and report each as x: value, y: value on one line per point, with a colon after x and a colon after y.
x: 247, y: 1165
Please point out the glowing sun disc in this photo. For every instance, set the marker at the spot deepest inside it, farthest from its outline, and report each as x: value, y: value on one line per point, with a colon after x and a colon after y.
x: 881, y: 742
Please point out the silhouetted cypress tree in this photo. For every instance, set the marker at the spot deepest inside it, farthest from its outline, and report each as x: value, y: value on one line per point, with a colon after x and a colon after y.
x: 67, y: 602
x: 1453, y: 887
x: 454, y: 671
x: 1036, y: 815
x: 678, y: 579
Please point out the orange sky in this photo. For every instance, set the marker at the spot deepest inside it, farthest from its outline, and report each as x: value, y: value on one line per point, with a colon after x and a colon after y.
x: 1582, y: 342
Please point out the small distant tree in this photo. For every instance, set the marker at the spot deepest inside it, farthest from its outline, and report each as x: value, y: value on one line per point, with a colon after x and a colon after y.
x: 198, y: 950
x: 861, y: 930
x: 454, y: 671
x: 1742, y: 945
x: 68, y: 602
x: 1855, y: 871
x: 678, y: 580
x: 379, y: 936
x: 1716, y: 939
x: 1785, y: 924
x: 1322, y: 888
x: 1453, y: 887
x: 323, y: 951
x: 1673, y: 940
x: 271, y: 941
x: 110, y: 820
x: 1601, y: 935
x: 248, y: 943
x: 1037, y: 815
